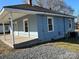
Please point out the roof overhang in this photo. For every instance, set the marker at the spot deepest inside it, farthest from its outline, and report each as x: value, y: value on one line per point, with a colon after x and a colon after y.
x: 35, y: 12
x: 17, y: 13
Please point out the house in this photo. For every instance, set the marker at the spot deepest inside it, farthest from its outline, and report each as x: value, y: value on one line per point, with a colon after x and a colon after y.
x: 6, y: 28
x: 35, y: 22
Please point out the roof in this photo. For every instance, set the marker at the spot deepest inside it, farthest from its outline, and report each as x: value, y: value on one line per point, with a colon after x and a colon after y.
x: 34, y: 8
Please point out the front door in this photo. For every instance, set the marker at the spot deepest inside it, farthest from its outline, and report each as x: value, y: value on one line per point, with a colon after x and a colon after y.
x: 26, y: 26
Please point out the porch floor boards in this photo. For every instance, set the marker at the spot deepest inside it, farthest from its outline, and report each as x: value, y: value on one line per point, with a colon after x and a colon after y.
x: 18, y: 39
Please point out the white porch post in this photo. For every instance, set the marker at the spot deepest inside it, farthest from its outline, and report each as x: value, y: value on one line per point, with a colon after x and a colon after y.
x: 18, y: 28
x: 4, y: 31
x: 29, y: 34
x: 12, y: 29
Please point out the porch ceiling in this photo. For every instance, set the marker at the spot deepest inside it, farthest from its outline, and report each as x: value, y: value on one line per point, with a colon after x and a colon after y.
x: 5, y: 14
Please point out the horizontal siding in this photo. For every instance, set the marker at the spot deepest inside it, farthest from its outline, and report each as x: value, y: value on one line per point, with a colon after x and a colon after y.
x: 38, y: 27
x: 19, y: 28
x: 67, y: 25
x: 59, y: 27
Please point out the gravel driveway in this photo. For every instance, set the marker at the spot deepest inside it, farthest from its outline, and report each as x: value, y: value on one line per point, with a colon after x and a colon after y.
x: 45, y: 51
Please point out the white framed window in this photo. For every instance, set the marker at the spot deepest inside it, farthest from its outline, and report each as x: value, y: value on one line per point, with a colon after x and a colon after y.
x: 70, y: 23
x: 50, y: 24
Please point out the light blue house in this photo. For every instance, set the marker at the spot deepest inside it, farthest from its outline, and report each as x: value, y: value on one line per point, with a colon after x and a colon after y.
x: 36, y: 22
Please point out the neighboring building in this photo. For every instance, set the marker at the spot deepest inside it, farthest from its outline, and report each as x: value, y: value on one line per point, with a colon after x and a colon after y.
x: 77, y: 24
x: 37, y: 22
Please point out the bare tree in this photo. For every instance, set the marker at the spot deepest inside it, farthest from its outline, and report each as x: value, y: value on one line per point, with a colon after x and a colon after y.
x: 40, y: 3
x: 56, y: 5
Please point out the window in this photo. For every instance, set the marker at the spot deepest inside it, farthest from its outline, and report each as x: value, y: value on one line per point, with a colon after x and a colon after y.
x: 50, y: 24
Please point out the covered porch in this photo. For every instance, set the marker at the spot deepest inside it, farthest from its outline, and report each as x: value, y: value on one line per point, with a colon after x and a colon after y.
x: 18, y: 39
x: 16, y: 36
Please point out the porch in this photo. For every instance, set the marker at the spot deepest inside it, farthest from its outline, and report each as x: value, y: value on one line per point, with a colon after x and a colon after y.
x: 18, y: 34
x: 7, y: 39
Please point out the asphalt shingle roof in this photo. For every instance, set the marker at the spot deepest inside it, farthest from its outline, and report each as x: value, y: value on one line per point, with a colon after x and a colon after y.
x: 34, y: 8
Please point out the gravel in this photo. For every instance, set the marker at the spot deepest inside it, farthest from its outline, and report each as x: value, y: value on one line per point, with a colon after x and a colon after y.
x: 41, y: 52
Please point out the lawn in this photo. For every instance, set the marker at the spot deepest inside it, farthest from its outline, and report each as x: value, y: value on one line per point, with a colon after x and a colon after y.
x: 44, y: 51
x: 69, y: 44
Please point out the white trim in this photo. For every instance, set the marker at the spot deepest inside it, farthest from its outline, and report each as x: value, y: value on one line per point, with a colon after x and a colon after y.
x: 52, y: 24
x: 2, y: 11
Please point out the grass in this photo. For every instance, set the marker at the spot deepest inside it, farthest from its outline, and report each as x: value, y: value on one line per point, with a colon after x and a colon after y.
x: 69, y: 44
